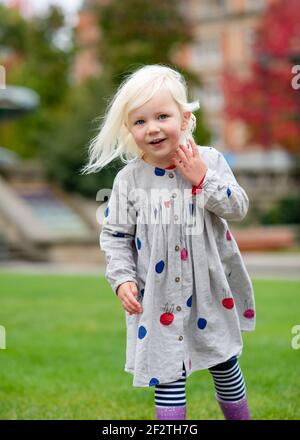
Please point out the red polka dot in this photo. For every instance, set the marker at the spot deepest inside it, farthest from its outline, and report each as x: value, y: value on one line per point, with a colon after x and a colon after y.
x: 184, y: 254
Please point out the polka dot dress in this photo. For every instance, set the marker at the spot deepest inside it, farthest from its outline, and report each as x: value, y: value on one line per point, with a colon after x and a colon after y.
x: 193, y: 286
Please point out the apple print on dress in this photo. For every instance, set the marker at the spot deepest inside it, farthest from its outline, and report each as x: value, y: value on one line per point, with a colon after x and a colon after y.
x: 167, y: 203
x: 167, y: 317
x: 227, y: 300
x: 249, y: 313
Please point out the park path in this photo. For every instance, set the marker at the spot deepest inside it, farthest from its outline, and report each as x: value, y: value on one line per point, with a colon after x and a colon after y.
x: 259, y: 265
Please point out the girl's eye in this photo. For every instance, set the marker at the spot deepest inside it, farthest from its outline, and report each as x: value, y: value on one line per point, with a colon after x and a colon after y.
x: 137, y: 122
x: 163, y: 115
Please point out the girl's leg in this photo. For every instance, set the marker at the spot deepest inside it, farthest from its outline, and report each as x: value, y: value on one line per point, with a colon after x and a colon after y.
x: 170, y: 399
x: 231, y: 390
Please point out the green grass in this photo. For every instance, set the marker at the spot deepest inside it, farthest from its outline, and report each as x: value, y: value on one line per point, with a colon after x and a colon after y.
x: 65, y: 354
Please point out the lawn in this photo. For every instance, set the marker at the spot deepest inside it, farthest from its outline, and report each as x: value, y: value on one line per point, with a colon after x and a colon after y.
x: 65, y: 354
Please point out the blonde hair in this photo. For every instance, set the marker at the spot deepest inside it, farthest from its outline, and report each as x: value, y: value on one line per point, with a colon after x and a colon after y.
x: 114, y: 139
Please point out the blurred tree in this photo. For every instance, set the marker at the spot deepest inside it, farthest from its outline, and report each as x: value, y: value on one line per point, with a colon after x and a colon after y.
x: 150, y: 32
x: 146, y: 33
x: 267, y: 102
x: 34, y: 59
x: 65, y: 149
x: 59, y: 132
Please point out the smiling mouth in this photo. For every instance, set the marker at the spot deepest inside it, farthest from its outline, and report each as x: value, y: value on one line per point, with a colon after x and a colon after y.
x: 158, y: 142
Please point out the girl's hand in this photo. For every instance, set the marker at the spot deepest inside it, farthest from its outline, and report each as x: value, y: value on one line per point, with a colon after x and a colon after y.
x: 190, y: 163
x: 126, y: 293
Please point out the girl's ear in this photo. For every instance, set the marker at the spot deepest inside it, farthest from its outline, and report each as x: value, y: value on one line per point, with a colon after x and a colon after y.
x: 185, y: 120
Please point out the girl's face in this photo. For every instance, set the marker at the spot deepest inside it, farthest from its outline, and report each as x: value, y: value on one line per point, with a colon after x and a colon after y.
x: 159, y: 119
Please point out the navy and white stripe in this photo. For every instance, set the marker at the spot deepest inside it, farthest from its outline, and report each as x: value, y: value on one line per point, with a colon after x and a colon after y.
x: 171, y: 394
x: 228, y: 380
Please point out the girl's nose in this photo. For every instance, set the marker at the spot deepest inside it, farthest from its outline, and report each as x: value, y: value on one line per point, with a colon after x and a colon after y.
x: 152, y: 127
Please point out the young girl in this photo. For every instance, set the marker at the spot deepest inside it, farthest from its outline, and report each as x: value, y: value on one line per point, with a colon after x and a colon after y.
x: 185, y: 290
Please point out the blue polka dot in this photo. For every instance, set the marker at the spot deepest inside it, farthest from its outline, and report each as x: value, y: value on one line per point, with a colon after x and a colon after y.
x: 189, y: 302
x: 155, y: 212
x: 138, y: 243
x: 228, y: 191
x: 160, y: 266
x: 142, y: 292
x: 202, y: 323
x: 106, y: 212
x: 119, y: 234
x: 153, y: 382
x: 142, y: 332
x: 159, y: 171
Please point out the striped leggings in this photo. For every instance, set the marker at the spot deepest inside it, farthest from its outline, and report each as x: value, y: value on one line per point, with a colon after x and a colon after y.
x: 228, y: 381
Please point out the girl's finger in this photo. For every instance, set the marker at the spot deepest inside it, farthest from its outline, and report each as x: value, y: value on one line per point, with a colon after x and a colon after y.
x: 186, y: 151
x: 181, y: 154
x: 133, y: 302
x: 131, y: 309
x: 195, y: 150
x: 128, y: 308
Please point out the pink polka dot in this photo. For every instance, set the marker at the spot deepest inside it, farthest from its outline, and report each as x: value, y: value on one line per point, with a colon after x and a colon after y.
x: 184, y: 254
x: 228, y: 235
x: 190, y: 364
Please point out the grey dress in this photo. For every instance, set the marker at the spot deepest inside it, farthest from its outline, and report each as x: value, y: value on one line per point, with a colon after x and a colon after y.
x: 195, y: 291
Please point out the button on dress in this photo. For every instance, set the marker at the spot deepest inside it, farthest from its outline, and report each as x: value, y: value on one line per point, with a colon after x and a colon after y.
x: 196, y: 294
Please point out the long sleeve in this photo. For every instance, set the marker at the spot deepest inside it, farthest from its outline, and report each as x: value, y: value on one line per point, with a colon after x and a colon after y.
x: 222, y: 194
x: 117, y: 238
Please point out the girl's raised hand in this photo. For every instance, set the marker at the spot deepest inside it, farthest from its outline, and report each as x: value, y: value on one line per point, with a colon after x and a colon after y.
x: 127, y: 292
x: 190, y: 163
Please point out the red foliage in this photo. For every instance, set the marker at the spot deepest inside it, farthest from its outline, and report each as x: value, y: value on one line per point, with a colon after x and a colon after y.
x: 267, y: 102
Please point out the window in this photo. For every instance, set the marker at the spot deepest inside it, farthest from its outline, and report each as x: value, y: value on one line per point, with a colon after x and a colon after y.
x: 255, y: 5
x: 207, y: 53
x: 250, y: 36
x: 217, y: 139
x: 212, y: 8
x: 210, y: 96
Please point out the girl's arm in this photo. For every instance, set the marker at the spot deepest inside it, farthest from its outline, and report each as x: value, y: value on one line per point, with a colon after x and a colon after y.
x: 117, y: 237
x: 222, y: 194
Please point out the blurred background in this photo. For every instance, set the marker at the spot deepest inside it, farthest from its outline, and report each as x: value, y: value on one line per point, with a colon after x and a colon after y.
x: 60, y: 63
